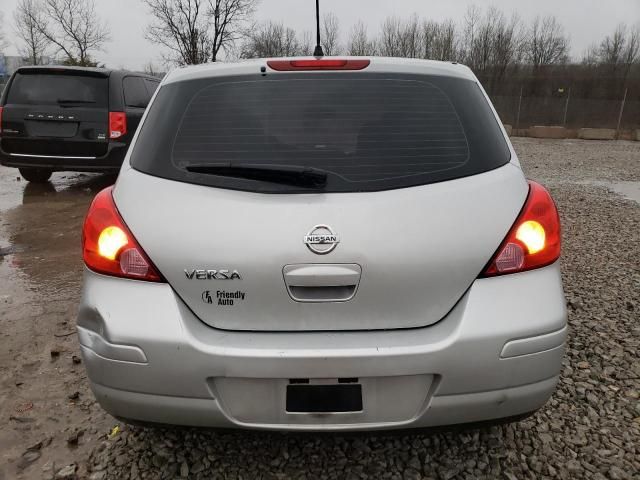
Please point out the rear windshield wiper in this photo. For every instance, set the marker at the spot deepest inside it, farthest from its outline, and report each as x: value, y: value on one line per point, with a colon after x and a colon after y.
x: 283, y: 174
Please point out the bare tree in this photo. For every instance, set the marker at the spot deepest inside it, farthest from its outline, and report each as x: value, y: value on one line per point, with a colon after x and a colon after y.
x: 618, y: 51
x: 196, y: 31
x: 447, y: 45
x: 271, y: 40
x: 400, y: 38
x: 590, y: 57
x: 3, y: 42
x: 491, y: 43
x: 27, y: 17
x: 483, y: 44
x: 389, y: 42
x: 411, y: 40
x: 307, y: 43
x: 74, y: 29
x: 359, y: 43
x: 631, y: 53
x: 508, y: 44
x: 488, y: 31
x: 611, y: 49
x: 470, y: 27
x: 331, y: 34
x: 181, y: 26
x: 228, y: 18
x: 546, y: 43
x: 440, y: 40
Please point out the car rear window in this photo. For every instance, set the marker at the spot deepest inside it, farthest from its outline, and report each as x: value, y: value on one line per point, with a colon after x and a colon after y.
x: 136, y: 93
x: 369, y: 132
x: 59, y: 89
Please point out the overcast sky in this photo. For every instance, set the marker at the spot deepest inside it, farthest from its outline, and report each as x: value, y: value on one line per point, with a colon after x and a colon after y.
x: 586, y: 21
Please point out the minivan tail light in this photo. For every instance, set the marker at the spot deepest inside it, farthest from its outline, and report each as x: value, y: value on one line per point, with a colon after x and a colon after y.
x: 534, y: 240
x: 328, y: 64
x: 117, y: 125
x: 109, y: 247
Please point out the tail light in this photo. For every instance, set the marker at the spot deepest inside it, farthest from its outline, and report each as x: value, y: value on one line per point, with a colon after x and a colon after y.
x: 534, y: 240
x: 108, y: 247
x: 328, y: 64
x: 117, y: 125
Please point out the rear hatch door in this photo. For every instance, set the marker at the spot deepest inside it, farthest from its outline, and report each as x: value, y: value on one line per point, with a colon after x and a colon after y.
x: 227, y: 197
x: 240, y: 262
x: 56, y: 113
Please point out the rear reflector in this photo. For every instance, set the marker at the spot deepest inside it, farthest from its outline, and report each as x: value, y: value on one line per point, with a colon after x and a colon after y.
x: 533, y: 241
x: 108, y: 247
x: 117, y: 124
x: 333, y: 64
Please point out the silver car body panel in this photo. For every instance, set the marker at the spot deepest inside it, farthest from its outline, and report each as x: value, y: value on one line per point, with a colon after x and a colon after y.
x: 451, y: 372
x: 415, y: 265
x: 431, y: 344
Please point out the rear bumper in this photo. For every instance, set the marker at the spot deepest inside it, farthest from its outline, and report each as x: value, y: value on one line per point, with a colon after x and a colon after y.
x: 497, y: 354
x: 443, y: 410
x: 110, y: 162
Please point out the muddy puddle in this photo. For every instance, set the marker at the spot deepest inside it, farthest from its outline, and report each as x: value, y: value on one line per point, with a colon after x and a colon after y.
x: 43, y: 400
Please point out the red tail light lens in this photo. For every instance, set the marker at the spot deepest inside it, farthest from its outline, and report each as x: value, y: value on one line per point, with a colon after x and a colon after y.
x: 332, y: 64
x: 108, y: 247
x: 534, y: 240
x: 117, y: 125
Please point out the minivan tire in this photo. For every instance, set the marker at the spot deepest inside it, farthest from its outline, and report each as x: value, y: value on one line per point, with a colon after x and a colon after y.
x: 36, y: 175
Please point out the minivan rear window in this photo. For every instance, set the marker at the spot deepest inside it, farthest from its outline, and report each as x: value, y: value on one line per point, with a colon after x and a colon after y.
x: 366, y: 131
x: 59, y: 89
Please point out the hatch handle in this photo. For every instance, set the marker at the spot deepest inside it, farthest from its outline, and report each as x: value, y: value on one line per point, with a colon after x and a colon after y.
x: 322, y: 282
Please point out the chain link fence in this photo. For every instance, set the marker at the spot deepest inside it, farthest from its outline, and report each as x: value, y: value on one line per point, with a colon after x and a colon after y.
x: 522, y: 112
x: 527, y: 111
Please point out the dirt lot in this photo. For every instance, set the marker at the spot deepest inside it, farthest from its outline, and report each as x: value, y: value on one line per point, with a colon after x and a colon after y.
x: 52, y: 427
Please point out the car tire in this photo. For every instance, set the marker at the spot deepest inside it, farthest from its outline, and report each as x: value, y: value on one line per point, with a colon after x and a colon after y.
x: 36, y: 175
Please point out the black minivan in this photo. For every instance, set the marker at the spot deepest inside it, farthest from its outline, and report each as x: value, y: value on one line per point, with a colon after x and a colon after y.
x: 59, y: 118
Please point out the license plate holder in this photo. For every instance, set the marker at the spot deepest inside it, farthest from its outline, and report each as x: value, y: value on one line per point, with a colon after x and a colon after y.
x: 319, y: 399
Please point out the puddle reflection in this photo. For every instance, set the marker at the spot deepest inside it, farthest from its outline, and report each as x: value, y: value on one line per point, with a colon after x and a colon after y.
x: 41, y: 235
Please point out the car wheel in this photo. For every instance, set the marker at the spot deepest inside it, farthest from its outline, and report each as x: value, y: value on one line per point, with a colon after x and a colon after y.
x: 36, y: 175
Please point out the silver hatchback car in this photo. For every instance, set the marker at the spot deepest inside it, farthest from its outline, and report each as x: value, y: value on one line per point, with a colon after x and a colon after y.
x: 322, y: 244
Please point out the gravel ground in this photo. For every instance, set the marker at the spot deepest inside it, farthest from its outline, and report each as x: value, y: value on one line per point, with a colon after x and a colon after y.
x: 589, y: 429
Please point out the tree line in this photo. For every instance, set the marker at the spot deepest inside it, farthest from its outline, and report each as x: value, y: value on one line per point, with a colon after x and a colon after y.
x: 491, y: 43
x: 190, y: 32
x: 70, y: 29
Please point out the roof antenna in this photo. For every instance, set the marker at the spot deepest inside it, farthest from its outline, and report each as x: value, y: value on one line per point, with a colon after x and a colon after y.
x: 318, y: 52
